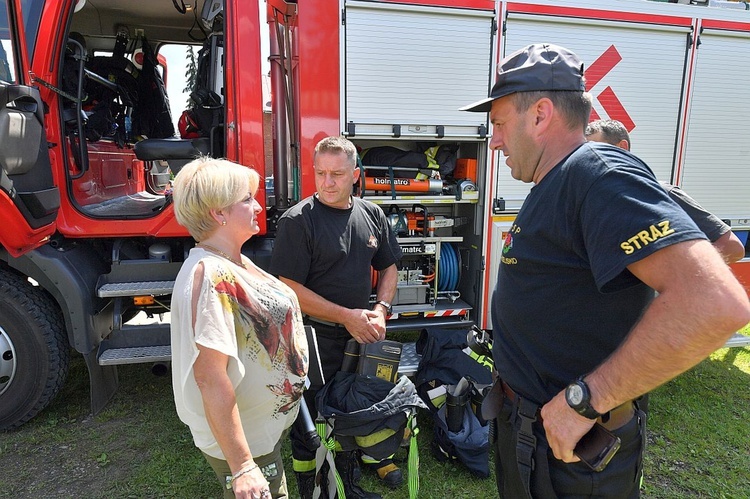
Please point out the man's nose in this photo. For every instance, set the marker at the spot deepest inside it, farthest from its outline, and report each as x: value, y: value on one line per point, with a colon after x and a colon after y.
x: 495, y: 142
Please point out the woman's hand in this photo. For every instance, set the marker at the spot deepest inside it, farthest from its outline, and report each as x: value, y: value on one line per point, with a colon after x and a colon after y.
x: 251, y: 485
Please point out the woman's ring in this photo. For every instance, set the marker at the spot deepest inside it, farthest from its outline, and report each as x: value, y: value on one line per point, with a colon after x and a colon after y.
x: 265, y: 493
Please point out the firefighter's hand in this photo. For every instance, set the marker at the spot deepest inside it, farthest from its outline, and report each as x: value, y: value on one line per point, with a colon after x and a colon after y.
x: 377, y: 319
x: 564, y: 427
x: 358, y: 323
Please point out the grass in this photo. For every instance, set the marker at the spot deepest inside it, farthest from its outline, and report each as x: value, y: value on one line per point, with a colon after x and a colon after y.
x: 699, y: 428
x: 698, y: 443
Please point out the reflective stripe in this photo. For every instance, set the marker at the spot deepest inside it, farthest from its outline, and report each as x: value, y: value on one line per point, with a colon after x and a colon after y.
x: 481, y: 359
x: 375, y: 438
x: 371, y: 460
x: 303, y: 466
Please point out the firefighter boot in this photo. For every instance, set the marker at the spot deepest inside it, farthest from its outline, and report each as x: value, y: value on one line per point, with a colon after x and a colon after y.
x: 305, y: 483
x: 387, y: 471
x: 347, y: 464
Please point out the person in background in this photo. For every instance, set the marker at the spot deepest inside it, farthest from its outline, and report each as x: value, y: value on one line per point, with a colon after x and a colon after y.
x: 719, y: 233
x: 579, y: 330
x: 325, y: 248
x: 239, y: 350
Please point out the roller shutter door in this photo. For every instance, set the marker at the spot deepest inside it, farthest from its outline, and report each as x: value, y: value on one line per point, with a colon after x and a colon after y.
x: 647, y: 90
x: 717, y: 154
x: 415, y: 66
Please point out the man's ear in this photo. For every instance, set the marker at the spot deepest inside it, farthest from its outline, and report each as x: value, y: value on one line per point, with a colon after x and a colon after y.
x: 624, y: 144
x: 543, y: 110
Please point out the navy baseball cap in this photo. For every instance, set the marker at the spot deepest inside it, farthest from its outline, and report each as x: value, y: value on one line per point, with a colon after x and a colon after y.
x: 540, y: 66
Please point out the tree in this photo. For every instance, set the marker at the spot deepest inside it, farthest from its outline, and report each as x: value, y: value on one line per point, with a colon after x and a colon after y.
x: 191, y: 74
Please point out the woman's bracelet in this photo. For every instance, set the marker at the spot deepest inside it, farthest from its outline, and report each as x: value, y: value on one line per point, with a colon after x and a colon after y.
x: 243, y: 471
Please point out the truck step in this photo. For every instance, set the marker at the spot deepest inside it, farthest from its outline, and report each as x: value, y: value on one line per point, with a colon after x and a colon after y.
x: 409, y: 359
x: 738, y: 340
x: 163, y: 353
x: 135, y: 355
x: 117, y: 289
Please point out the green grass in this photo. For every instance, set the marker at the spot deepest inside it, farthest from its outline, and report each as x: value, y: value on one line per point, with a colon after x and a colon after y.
x: 698, y: 443
x: 699, y: 428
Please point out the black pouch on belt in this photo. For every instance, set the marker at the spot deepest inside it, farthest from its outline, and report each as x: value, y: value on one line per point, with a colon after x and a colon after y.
x: 493, y: 401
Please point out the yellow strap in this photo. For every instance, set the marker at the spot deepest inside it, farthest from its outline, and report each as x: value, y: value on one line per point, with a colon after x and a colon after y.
x: 413, y: 462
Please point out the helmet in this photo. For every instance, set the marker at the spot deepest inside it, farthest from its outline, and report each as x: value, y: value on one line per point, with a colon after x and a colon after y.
x: 188, y: 126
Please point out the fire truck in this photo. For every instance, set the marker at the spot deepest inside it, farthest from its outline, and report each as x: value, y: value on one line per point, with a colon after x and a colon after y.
x: 89, y: 239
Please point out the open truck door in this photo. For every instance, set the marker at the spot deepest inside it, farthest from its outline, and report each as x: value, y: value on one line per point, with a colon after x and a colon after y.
x: 29, y: 199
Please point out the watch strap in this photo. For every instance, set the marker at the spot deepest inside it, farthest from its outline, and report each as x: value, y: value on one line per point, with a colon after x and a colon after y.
x: 585, y: 409
x: 386, y: 305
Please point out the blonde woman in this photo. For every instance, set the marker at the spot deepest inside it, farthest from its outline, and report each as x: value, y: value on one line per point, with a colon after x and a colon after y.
x: 239, y: 352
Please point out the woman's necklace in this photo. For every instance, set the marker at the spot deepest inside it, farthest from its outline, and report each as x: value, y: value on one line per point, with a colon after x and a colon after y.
x: 221, y: 253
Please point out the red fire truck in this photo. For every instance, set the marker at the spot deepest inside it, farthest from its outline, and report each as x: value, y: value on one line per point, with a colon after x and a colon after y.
x: 89, y: 239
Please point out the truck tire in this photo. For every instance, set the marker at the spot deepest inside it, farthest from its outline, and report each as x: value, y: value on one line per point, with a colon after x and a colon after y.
x: 34, y: 351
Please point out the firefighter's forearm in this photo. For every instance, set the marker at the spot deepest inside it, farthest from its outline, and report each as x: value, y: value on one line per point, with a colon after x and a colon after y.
x: 387, y: 282
x: 730, y: 247
x: 311, y: 303
x: 700, y: 304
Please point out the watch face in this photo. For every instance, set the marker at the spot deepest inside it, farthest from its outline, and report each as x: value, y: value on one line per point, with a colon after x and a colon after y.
x: 575, y: 395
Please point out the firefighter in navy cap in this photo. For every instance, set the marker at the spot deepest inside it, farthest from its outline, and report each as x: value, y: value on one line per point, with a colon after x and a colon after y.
x: 579, y: 330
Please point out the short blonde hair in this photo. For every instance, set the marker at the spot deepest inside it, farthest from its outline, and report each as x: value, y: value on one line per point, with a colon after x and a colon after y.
x: 207, y: 184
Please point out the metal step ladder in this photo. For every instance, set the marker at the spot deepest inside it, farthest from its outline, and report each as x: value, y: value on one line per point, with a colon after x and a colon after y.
x: 124, y: 289
x: 137, y: 344
x: 135, y: 355
x: 140, y: 340
x: 409, y: 359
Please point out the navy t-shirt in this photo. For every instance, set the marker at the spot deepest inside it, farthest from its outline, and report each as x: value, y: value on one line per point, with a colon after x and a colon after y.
x: 330, y: 251
x: 564, y: 299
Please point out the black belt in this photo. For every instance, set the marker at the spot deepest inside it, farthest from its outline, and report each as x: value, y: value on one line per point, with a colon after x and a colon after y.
x: 323, y: 322
x: 612, y: 420
x: 529, y: 413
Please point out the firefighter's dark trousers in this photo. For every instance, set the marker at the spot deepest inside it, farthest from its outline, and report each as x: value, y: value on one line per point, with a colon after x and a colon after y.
x: 553, y: 478
x: 331, y: 343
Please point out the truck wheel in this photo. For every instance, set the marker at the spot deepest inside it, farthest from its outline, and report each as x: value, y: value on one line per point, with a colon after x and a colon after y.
x: 34, y: 351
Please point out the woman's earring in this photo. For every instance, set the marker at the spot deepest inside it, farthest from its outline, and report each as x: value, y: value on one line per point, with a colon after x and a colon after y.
x: 223, y: 222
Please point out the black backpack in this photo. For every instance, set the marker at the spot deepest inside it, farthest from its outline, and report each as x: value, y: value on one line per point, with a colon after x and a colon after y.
x: 446, y: 359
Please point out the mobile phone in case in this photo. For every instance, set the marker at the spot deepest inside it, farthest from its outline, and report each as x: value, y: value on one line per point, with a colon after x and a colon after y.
x: 597, y: 447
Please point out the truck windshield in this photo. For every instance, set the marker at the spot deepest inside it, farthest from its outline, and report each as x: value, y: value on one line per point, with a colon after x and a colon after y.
x: 7, y: 66
x: 32, y: 15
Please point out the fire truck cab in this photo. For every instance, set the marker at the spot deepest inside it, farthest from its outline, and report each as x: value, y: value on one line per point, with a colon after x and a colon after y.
x: 90, y: 239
